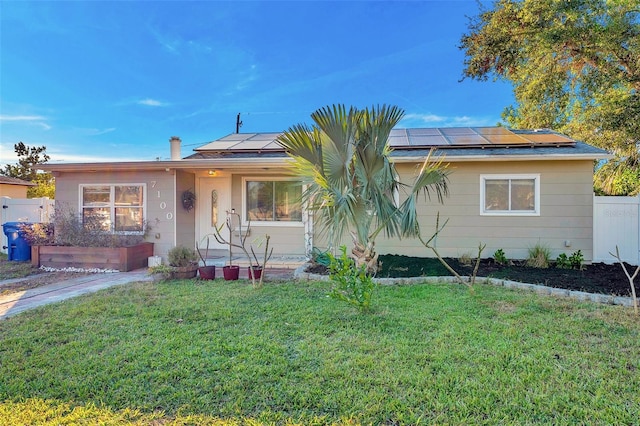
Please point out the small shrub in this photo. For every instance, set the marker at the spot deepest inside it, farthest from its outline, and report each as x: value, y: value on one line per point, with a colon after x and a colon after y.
x: 465, y: 259
x: 180, y: 256
x: 352, y: 285
x: 539, y: 256
x: 165, y: 270
x: 38, y: 234
x: 576, y: 259
x: 69, y: 228
x: 562, y: 261
x: 500, y: 258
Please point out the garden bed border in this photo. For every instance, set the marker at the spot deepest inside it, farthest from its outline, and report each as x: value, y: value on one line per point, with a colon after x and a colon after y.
x: 606, y: 299
x: 124, y: 259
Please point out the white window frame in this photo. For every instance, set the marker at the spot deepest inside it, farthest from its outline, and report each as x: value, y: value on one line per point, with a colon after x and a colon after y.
x: 280, y: 223
x: 510, y: 177
x: 112, y: 206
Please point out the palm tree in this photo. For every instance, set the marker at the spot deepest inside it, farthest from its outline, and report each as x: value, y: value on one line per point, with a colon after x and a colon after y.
x: 345, y: 161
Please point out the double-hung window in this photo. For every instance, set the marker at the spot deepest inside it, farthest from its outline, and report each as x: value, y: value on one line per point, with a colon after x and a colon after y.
x: 272, y: 200
x: 510, y: 195
x: 116, y: 208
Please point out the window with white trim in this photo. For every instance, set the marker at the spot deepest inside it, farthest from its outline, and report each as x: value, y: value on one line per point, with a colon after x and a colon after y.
x: 512, y: 195
x: 115, y: 208
x: 272, y: 200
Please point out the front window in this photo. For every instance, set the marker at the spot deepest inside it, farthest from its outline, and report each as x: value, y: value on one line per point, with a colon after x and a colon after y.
x: 510, y: 195
x: 116, y: 208
x: 273, y: 201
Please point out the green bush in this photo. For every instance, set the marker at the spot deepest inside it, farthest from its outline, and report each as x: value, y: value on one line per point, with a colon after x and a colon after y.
x: 576, y: 260
x: 562, y: 261
x: 352, y: 285
x: 500, y: 258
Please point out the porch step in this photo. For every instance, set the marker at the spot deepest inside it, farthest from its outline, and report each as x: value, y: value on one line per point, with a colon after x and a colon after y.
x: 288, y: 262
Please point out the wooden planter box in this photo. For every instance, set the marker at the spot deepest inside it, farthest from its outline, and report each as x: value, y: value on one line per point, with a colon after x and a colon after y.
x: 121, y: 258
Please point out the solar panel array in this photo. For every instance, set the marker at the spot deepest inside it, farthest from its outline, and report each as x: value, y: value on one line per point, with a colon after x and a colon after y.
x: 436, y: 137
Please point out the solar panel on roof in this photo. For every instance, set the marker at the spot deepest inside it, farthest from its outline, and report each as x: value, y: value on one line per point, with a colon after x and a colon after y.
x: 505, y: 139
x: 428, y: 131
x: 398, y: 140
x: 470, y: 139
x: 218, y: 145
x: 457, y: 131
x: 493, y: 130
x: 449, y: 137
x: 546, y: 138
x: 428, y: 140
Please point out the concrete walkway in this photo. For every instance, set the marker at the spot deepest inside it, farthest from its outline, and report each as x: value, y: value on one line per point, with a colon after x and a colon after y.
x: 14, y: 303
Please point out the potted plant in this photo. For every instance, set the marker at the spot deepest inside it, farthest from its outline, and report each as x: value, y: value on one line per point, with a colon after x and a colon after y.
x: 184, y: 262
x: 256, y: 270
x: 207, y: 272
x: 231, y: 271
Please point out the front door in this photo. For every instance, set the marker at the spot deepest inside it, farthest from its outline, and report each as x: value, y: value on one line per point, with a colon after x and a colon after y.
x: 215, y: 200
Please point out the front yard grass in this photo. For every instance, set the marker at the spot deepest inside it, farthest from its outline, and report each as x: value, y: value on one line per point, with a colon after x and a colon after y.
x: 14, y: 269
x: 224, y: 353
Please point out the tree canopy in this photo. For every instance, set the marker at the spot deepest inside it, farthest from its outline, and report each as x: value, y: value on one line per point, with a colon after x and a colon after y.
x: 27, y: 170
x: 574, y: 66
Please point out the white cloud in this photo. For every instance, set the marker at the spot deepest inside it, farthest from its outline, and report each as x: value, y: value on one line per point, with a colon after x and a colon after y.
x: 21, y: 118
x: 152, y: 102
x: 35, y: 120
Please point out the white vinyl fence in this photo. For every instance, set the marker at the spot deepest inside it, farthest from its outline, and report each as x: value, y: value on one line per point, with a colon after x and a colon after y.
x: 23, y: 210
x: 616, y: 222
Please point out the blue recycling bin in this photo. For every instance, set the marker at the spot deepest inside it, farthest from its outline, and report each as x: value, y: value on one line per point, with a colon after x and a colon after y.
x: 18, y: 247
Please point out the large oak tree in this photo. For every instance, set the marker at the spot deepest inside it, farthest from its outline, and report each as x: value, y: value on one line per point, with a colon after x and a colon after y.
x: 574, y: 66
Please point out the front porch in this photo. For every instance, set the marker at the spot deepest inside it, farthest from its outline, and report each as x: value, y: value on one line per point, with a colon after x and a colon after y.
x: 220, y: 258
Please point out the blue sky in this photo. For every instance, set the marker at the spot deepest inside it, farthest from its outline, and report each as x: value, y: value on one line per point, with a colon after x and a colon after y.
x: 105, y: 81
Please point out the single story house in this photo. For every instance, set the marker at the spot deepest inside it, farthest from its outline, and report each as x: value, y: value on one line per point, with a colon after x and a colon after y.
x: 14, y: 187
x: 509, y: 189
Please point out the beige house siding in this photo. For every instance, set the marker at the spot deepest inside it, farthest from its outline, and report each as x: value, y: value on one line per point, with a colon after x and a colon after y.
x: 566, y: 212
x: 286, y: 239
x: 13, y: 191
x: 160, y: 199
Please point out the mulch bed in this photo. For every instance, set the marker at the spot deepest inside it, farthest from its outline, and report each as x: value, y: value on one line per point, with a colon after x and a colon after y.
x: 594, y: 278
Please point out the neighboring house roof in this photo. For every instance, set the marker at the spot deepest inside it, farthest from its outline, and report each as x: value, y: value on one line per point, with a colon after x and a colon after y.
x: 6, y: 180
x: 251, y: 150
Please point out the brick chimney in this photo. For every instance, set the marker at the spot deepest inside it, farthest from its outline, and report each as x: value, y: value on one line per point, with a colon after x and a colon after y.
x: 175, y: 148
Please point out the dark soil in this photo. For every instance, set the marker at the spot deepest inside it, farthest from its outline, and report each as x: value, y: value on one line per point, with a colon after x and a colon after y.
x: 594, y: 278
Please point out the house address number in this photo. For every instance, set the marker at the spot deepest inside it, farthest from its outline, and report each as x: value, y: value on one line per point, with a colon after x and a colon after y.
x: 163, y: 204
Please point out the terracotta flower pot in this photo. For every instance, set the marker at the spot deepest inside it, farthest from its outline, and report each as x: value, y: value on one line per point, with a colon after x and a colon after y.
x: 231, y: 272
x: 207, y: 272
x: 254, y: 271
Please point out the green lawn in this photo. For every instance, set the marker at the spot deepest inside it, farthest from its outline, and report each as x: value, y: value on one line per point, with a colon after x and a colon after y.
x: 220, y: 353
